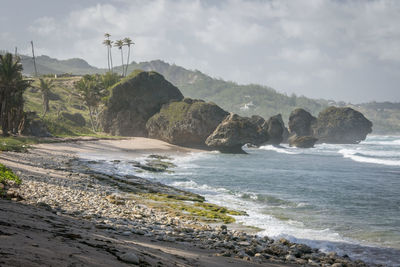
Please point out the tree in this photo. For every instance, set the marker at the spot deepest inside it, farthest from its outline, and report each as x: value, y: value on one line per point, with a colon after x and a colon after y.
x: 91, y: 90
x: 128, y: 42
x: 12, y: 86
x: 45, y: 87
x: 120, y: 44
x: 108, y: 43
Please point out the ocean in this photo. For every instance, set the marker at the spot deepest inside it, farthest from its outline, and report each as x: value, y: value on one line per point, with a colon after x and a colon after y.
x: 342, y: 198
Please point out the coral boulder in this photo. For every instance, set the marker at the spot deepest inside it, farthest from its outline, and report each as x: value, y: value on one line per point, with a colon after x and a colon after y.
x: 134, y: 100
x: 341, y: 126
x: 235, y: 131
x: 187, y: 123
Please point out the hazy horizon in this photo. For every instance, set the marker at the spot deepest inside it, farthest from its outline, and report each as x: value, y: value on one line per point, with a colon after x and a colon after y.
x: 338, y: 50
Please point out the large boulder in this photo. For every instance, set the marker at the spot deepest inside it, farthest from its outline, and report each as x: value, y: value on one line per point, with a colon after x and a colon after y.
x: 134, y: 100
x: 32, y: 125
x: 187, y: 123
x: 341, y: 126
x: 235, y: 131
x: 302, y: 141
x: 300, y: 122
x: 276, y: 129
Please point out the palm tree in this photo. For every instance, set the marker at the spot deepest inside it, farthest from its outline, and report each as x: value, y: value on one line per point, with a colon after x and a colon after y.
x: 107, y: 42
x: 12, y: 86
x: 128, y: 42
x: 91, y: 90
x: 45, y: 87
x: 120, y: 44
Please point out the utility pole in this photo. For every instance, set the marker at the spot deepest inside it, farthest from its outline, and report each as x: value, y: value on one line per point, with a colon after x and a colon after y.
x: 34, y: 60
x: 16, y: 52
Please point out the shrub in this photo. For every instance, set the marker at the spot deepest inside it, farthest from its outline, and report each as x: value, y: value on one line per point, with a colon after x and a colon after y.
x: 7, y: 175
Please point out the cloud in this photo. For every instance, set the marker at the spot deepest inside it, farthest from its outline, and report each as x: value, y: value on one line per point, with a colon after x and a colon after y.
x: 319, y: 48
x: 43, y: 26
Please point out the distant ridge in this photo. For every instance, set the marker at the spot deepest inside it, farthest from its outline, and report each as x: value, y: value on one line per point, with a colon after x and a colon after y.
x: 48, y: 65
x: 245, y: 100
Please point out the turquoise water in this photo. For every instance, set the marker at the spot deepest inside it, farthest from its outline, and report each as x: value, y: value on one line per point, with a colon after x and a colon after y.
x: 343, y: 198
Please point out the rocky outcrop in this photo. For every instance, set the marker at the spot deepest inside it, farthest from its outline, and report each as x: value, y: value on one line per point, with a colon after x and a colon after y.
x: 134, y: 100
x: 300, y: 122
x: 276, y: 130
x: 235, y: 131
x: 32, y: 125
x: 187, y: 123
x: 302, y: 141
x: 341, y: 126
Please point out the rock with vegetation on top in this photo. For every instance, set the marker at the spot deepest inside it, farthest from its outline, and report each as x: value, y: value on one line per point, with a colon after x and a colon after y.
x: 300, y: 122
x: 134, y: 100
x: 32, y: 125
x: 187, y: 123
x: 235, y: 131
x: 341, y: 126
x: 302, y: 141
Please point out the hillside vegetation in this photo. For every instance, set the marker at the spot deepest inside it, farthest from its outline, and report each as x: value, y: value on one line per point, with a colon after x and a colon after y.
x: 63, y: 101
x: 245, y: 100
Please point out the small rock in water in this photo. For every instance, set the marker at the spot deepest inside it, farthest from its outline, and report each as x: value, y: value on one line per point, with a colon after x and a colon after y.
x: 129, y: 257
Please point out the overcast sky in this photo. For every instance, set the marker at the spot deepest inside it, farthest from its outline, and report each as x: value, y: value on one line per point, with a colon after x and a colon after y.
x: 341, y: 50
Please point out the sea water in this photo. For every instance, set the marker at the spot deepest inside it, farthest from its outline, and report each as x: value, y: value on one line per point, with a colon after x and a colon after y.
x: 342, y: 198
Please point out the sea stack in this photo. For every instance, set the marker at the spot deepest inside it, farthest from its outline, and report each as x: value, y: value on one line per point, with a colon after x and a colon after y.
x: 134, y: 100
x: 236, y: 131
x: 187, y: 123
x: 341, y: 126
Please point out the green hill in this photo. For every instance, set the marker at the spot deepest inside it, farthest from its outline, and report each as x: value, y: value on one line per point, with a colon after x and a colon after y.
x: 48, y: 65
x: 242, y: 99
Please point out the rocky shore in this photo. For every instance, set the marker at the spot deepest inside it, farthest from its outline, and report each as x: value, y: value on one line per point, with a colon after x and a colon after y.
x: 67, y: 214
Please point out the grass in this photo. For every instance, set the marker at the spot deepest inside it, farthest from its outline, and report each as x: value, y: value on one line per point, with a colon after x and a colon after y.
x: 7, y: 176
x: 64, y: 99
x: 17, y: 144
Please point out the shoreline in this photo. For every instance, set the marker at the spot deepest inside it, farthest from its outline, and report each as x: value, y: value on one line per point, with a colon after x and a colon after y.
x: 54, y: 179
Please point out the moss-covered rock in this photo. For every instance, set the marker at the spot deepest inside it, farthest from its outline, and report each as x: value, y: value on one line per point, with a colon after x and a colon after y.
x: 134, y: 100
x: 236, y: 131
x: 341, y: 126
x: 188, y: 122
x: 300, y: 122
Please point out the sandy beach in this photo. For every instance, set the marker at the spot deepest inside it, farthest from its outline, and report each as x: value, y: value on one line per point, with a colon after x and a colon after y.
x: 68, y: 215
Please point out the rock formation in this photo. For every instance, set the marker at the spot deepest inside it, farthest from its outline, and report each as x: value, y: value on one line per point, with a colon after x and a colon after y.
x: 276, y: 130
x: 300, y: 122
x: 187, y: 123
x: 341, y: 126
x: 235, y: 131
x: 134, y: 100
x: 302, y: 141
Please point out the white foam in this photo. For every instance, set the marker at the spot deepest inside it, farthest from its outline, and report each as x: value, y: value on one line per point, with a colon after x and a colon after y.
x: 280, y: 149
x: 381, y: 140
x: 357, y: 156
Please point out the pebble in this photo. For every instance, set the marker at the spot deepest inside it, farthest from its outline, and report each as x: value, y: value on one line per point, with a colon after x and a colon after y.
x: 83, y: 196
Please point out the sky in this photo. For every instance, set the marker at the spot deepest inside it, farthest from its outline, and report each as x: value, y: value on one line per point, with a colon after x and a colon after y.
x: 341, y: 50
